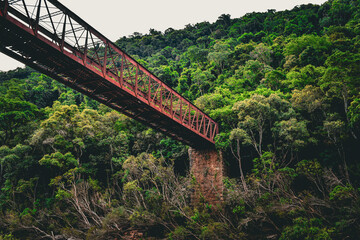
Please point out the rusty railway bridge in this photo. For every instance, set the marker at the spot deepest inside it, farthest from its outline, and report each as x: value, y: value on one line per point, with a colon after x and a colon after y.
x: 50, y: 38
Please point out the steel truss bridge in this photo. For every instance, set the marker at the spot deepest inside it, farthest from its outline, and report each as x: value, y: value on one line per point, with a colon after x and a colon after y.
x: 50, y: 38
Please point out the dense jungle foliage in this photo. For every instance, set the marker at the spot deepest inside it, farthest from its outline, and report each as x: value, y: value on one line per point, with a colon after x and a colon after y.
x: 285, y: 88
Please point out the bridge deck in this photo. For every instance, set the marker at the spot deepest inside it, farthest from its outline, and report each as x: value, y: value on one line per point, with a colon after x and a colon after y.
x: 48, y: 37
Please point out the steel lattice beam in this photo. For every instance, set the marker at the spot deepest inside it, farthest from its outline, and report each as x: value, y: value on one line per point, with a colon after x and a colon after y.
x: 47, y: 36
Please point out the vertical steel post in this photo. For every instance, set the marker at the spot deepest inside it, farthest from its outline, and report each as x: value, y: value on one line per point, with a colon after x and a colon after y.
x: 86, y: 47
x: 197, y: 120
x: 122, y: 71
x: 189, y: 122
x: 36, y: 27
x: 181, y: 118
x: 63, y: 35
x: 204, y: 123
x: 27, y: 13
x: 4, y: 11
x: 136, y: 79
x: 171, y: 105
x: 105, y: 59
x: 207, y: 128
x: 149, y: 90
x: 214, y: 131
x: 161, y: 104
x: 2, y: 8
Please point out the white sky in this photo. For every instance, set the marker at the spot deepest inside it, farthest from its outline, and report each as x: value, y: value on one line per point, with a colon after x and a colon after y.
x: 117, y: 18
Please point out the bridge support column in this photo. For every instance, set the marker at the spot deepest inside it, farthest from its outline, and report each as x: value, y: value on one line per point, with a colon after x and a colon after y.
x: 207, y: 169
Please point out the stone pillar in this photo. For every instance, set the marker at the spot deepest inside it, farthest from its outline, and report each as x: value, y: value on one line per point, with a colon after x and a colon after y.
x: 207, y: 169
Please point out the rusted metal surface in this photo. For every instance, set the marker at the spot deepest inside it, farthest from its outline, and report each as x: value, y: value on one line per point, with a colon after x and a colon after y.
x: 47, y: 36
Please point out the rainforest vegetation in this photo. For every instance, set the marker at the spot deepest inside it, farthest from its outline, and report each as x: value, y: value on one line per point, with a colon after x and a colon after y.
x: 285, y: 89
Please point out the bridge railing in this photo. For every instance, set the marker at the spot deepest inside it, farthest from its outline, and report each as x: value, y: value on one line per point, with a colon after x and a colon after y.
x: 59, y: 27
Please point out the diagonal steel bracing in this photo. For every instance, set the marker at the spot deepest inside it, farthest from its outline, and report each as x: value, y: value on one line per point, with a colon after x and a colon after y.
x: 47, y: 36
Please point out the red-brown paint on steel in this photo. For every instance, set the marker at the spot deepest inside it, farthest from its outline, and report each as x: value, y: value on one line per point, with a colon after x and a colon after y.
x: 100, y: 59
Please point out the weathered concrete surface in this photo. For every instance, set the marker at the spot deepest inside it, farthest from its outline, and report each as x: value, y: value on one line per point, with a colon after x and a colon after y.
x: 207, y: 169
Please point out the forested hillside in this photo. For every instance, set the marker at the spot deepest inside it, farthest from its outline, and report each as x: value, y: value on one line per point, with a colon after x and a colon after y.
x: 285, y: 89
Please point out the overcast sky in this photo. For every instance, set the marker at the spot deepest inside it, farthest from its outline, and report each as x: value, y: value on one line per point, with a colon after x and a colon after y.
x: 117, y: 18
